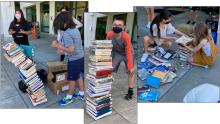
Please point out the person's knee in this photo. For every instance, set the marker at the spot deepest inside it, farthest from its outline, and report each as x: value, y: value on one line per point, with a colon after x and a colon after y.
x: 146, y: 40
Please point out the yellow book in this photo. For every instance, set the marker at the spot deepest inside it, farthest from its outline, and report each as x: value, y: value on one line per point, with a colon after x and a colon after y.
x: 159, y: 74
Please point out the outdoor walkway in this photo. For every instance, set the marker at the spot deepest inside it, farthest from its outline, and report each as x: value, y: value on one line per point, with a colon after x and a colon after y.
x: 12, y: 97
x: 123, y: 111
x: 195, y: 76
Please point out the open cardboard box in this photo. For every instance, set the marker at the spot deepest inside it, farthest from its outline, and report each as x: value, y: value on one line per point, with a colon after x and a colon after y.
x: 58, y: 83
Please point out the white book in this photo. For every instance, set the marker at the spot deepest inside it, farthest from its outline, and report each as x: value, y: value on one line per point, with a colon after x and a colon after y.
x: 97, y: 94
x: 37, y: 103
x: 102, y: 42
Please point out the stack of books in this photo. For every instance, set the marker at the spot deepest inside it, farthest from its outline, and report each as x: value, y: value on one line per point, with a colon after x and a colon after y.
x: 27, y: 72
x: 100, y: 79
x: 184, y: 54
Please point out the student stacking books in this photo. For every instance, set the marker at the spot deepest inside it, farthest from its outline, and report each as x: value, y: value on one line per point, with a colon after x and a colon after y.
x: 99, y: 101
x: 27, y: 72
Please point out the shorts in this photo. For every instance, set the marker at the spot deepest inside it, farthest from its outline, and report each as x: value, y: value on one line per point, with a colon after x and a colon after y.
x: 74, y: 69
x: 116, y: 61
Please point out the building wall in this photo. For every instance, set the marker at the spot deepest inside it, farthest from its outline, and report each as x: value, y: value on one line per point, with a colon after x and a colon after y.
x: 90, y: 27
x: 7, y: 13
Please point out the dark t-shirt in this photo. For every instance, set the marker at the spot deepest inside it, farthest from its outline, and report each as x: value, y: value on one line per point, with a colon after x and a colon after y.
x: 20, y: 38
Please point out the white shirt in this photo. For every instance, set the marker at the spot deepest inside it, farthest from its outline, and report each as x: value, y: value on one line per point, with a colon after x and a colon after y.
x: 207, y: 49
x: 168, y: 29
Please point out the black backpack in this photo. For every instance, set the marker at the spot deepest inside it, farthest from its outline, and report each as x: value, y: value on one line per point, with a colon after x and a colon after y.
x: 42, y: 75
x: 22, y: 86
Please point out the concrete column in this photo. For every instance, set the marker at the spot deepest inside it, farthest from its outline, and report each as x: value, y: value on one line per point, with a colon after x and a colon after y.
x: 38, y: 11
x: 109, y: 23
x: 129, y: 23
x: 51, y: 16
x: 90, y: 28
x: 7, y: 10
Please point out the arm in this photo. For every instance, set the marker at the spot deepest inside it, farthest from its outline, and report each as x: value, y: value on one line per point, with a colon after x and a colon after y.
x: 78, y: 23
x: 180, y: 33
x: 129, y: 54
x: 168, y: 38
x: 26, y: 29
x: 11, y: 30
x: 59, y: 46
x: 197, y: 48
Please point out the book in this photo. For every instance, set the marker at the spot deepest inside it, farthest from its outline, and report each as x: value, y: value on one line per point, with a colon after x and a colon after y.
x: 35, y: 103
x: 92, y: 94
x: 183, y: 40
x: 9, y: 46
x: 99, y: 117
x: 157, y: 61
x: 153, y: 81
x: 159, y: 74
x: 149, y: 96
x: 101, y: 42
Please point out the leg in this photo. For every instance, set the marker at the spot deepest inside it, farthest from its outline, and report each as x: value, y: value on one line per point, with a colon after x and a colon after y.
x: 190, y: 60
x: 71, y: 87
x: 147, y: 42
x: 62, y: 57
x: 167, y: 44
x: 131, y: 82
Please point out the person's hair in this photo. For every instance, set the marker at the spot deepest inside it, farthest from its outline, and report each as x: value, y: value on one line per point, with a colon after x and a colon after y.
x: 61, y: 19
x: 201, y: 31
x: 22, y: 16
x: 65, y: 7
x: 165, y: 14
x: 119, y: 19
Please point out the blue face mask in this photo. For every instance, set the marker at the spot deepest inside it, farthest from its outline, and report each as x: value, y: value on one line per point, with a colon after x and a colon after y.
x: 117, y: 30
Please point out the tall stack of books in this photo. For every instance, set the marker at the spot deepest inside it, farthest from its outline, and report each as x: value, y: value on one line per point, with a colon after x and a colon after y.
x: 27, y: 72
x: 99, y: 101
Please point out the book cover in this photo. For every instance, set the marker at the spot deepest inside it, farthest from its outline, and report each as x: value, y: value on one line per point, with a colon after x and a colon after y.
x: 153, y: 81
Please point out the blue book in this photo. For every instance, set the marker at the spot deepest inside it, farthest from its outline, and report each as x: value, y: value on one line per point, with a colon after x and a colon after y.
x: 158, y: 68
x: 146, y: 65
x: 150, y: 96
x: 153, y: 81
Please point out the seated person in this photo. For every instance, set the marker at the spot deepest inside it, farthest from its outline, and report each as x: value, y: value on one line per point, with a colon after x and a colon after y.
x: 204, y: 52
x: 159, y: 29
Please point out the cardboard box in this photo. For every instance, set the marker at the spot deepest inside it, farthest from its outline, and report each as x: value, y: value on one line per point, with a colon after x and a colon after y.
x: 57, y: 77
x: 58, y: 87
x: 56, y: 66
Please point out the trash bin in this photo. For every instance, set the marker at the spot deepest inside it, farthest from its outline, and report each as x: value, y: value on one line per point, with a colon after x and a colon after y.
x: 35, y: 32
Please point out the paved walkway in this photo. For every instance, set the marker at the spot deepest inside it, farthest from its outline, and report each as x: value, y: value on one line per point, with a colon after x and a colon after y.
x: 12, y: 97
x: 195, y: 76
x: 124, y: 111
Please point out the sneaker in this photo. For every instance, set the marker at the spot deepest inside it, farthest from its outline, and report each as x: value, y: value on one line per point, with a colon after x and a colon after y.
x: 188, y: 22
x: 65, y: 101
x: 144, y: 57
x: 148, y: 25
x: 80, y: 97
x: 129, y: 95
x: 77, y: 96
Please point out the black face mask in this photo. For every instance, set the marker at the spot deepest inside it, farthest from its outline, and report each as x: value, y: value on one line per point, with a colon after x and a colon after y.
x: 167, y: 22
x: 64, y: 29
x: 117, y: 29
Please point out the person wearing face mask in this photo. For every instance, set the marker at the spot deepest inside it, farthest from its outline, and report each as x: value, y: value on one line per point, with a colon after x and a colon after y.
x: 60, y: 32
x: 159, y: 29
x: 122, y: 51
x: 20, y: 28
x: 71, y: 45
